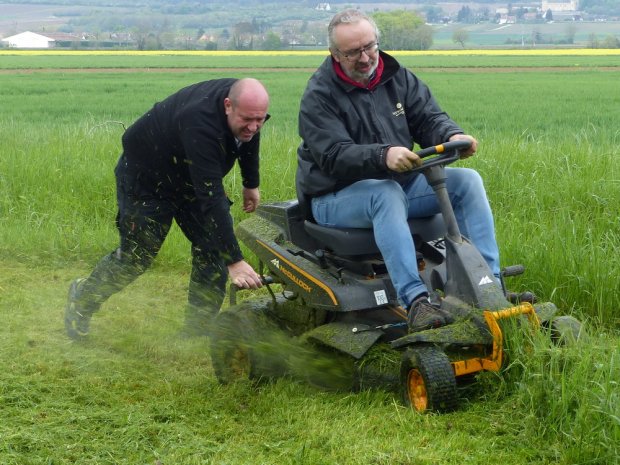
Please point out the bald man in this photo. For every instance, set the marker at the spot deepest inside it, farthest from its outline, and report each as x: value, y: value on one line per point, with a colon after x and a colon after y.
x: 172, y: 167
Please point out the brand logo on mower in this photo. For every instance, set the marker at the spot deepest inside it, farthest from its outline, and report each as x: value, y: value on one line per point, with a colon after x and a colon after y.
x: 289, y: 274
x: 295, y: 279
x: 485, y: 280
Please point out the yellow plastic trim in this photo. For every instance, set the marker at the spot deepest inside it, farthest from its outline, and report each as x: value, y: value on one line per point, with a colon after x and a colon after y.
x: 494, y: 362
x: 302, y: 272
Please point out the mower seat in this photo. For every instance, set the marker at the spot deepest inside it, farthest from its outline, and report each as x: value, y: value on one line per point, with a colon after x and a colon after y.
x: 349, y: 242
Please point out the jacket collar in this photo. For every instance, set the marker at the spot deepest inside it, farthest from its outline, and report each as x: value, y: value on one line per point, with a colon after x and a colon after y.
x: 372, y: 83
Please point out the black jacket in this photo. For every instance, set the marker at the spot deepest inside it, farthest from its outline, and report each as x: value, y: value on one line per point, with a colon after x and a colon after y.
x: 346, y: 130
x: 183, y: 148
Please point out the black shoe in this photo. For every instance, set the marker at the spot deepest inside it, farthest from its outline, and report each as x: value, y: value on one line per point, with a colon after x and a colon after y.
x: 77, y: 319
x: 423, y: 315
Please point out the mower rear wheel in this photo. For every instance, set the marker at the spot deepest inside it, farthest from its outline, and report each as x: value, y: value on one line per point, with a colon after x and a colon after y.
x: 244, y: 343
x: 428, y: 380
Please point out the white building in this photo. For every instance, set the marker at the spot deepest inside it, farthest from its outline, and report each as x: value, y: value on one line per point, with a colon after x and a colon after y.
x: 569, y: 5
x: 29, y: 40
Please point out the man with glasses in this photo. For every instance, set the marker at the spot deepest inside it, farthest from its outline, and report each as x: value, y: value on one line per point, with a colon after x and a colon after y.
x: 360, y: 115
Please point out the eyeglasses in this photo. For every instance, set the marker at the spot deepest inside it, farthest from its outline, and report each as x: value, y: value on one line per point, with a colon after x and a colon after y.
x: 355, y: 55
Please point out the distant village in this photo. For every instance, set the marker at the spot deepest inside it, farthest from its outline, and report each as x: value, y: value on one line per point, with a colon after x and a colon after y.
x: 512, y: 13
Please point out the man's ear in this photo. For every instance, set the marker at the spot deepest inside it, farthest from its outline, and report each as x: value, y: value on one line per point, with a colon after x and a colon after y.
x: 227, y: 105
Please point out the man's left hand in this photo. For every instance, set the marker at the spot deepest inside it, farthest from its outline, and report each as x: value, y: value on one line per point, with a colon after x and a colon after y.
x: 474, y: 144
x: 243, y: 275
x: 251, y: 199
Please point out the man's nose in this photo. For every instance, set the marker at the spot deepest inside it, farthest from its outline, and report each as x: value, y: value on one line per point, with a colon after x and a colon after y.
x: 364, y: 56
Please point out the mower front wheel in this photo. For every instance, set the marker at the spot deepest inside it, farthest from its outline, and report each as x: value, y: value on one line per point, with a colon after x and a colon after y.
x: 428, y: 380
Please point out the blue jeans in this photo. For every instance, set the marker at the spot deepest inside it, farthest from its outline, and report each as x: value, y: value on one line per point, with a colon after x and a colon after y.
x: 385, y: 206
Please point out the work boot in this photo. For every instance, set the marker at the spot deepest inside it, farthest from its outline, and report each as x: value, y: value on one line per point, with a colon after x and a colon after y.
x: 423, y: 315
x: 77, y: 318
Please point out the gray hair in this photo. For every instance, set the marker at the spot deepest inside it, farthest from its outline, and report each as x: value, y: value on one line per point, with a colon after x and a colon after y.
x: 349, y: 16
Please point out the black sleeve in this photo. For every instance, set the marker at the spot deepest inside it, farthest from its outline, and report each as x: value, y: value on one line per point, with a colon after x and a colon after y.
x: 428, y: 123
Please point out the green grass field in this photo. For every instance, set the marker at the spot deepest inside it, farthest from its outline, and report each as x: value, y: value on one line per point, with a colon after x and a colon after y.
x: 136, y: 393
x: 494, y: 35
x: 28, y: 61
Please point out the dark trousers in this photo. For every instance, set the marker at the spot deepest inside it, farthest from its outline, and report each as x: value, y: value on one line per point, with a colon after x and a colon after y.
x: 145, y: 215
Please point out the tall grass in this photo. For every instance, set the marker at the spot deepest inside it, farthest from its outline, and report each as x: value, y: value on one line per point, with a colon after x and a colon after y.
x: 547, y: 155
x: 136, y: 393
x: 569, y: 389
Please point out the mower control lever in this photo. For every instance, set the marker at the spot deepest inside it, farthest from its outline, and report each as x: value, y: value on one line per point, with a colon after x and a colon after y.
x: 233, y: 288
x: 513, y: 270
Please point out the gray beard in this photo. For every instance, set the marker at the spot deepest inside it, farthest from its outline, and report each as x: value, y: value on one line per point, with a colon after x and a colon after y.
x: 361, y: 77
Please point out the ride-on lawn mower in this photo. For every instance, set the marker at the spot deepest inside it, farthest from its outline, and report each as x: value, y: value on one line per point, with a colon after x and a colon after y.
x: 337, y: 322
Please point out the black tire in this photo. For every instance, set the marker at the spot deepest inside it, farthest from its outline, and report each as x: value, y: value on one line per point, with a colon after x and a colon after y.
x: 565, y: 330
x: 245, y: 344
x: 428, y: 380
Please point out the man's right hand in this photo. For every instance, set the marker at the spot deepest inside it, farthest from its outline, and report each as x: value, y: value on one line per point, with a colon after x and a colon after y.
x: 243, y: 275
x: 401, y: 159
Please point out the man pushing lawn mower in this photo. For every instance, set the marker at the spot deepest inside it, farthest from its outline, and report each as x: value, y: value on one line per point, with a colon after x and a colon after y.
x: 174, y: 159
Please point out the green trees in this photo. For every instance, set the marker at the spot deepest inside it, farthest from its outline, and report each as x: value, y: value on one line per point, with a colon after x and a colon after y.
x: 403, y: 30
x: 460, y: 36
x: 272, y: 41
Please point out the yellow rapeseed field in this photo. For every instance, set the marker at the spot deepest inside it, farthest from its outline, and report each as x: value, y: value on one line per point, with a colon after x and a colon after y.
x: 230, y: 53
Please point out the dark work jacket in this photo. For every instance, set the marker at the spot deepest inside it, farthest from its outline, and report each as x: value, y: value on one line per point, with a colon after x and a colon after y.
x: 182, y: 148
x: 346, y: 130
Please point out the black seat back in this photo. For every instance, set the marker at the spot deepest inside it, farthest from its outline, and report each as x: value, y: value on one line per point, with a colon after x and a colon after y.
x: 304, y: 202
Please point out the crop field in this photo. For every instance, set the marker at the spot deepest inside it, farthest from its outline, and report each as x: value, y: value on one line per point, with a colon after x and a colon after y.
x: 28, y: 61
x: 137, y: 393
x: 488, y: 34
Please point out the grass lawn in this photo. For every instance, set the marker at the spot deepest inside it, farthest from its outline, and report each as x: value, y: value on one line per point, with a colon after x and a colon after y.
x: 137, y: 393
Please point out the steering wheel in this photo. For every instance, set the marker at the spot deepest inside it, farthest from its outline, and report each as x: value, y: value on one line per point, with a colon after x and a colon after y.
x: 448, y: 152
